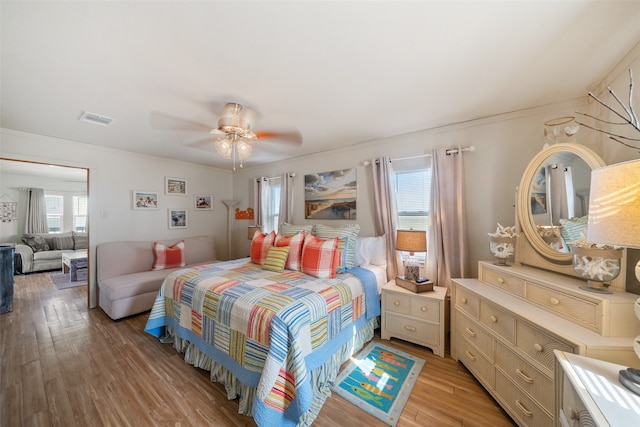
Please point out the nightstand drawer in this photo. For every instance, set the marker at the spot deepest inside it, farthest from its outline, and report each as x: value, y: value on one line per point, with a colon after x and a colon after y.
x: 524, y: 408
x: 512, y: 284
x: 573, y: 410
x: 538, y: 345
x: 529, y: 378
x: 583, y: 312
x: 499, y: 321
x: 468, y: 302
x: 413, y: 329
x: 475, y: 334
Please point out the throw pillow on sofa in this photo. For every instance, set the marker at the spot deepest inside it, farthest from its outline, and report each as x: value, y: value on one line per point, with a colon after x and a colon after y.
x: 63, y: 241
x: 35, y: 242
x: 80, y: 240
x: 168, y: 256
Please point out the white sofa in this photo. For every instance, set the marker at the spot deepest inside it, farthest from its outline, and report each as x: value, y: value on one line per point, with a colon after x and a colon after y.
x: 34, y: 257
x: 126, y: 283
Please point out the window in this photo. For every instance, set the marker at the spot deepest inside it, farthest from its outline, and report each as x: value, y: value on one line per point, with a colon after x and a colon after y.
x: 413, y: 194
x: 273, y: 205
x: 80, y: 213
x: 54, y: 204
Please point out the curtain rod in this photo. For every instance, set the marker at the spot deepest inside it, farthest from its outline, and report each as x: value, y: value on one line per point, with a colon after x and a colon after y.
x: 291, y: 175
x: 448, y: 152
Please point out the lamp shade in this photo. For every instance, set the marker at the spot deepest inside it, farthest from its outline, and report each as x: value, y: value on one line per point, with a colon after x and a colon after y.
x: 614, y: 205
x: 251, y: 230
x: 411, y: 241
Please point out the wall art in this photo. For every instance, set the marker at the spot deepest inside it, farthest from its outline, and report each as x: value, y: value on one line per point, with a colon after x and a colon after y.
x: 330, y: 195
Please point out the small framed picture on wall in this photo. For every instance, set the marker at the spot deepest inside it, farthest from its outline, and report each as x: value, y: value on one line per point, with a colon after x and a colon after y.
x: 145, y: 200
x: 175, y: 186
x: 178, y: 218
x: 203, y: 202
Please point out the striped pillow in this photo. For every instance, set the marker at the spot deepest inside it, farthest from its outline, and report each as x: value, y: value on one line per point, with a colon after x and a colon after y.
x: 295, y: 244
x: 260, y: 246
x: 574, y: 228
x: 350, y: 232
x: 276, y: 258
x: 168, y: 256
x: 290, y: 229
x: 320, y: 257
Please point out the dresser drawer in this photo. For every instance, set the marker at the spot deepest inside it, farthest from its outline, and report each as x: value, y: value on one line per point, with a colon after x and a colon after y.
x: 529, y: 378
x: 573, y: 410
x: 413, y: 329
x: 467, y: 302
x: 475, y: 334
x: 499, y: 321
x: 512, y: 284
x: 583, y: 312
x: 538, y: 345
x: 526, y: 410
x: 481, y: 367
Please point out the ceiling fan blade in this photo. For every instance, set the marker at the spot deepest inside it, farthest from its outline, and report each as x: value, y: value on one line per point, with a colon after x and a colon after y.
x: 168, y: 122
x: 292, y: 137
x: 205, y: 144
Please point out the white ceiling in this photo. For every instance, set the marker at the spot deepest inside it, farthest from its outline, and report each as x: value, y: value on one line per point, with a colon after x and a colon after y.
x: 339, y: 72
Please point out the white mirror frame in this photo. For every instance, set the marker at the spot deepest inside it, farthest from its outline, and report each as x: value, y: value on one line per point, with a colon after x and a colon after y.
x: 532, y: 249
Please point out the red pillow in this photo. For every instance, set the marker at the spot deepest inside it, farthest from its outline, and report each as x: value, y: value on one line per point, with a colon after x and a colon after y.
x: 168, y: 256
x: 320, y: 257
x: 295, y: 244
x: 260, y: 246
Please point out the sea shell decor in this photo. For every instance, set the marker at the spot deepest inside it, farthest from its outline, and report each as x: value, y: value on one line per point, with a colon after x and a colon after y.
x: 596, y: 263
x: 501, y: 243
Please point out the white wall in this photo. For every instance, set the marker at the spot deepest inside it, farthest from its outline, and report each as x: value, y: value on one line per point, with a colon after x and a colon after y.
x: 113, y: 174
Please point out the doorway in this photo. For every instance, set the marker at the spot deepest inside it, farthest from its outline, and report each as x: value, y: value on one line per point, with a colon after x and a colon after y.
x: 16, y: 176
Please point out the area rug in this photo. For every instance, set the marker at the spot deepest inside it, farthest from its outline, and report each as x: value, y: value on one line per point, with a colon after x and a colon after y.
x: 63, y: 280
x: 379, y: 380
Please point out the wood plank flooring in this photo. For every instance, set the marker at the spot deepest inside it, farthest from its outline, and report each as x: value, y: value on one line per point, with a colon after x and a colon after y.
x: 66, y: 365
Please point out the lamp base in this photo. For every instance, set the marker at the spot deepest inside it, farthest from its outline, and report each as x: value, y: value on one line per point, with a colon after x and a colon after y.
x: 630, y: 379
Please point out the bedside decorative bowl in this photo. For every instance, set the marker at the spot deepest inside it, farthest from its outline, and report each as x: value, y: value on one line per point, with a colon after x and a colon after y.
x: 597, y: 265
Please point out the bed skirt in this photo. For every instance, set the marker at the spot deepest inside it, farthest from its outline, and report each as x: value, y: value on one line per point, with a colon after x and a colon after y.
x: 322, y: 378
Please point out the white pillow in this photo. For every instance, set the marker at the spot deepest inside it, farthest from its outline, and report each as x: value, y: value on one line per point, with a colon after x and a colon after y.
x: 370, y: 250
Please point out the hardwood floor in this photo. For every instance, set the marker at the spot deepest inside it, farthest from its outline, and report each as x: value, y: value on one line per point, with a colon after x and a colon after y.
x: 65, y: 365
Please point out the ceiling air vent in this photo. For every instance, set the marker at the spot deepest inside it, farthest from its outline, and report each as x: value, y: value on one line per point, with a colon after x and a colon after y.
x: 96, y: 118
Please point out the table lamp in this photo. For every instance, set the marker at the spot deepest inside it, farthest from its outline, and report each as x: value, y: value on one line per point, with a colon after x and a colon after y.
x: 614, y: 219
x: 411, y: 241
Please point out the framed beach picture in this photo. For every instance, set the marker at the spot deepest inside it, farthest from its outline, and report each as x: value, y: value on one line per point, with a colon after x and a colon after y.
x: 175, y: 186
x: 178, y: 218
x: 145, y: 200
x: 203, y: 202
x: 330, y: 195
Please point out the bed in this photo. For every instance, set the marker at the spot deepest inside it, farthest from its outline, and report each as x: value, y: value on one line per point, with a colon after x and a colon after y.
x: 276, y: 340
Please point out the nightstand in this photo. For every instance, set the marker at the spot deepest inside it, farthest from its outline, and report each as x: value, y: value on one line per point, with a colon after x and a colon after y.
x: 421, y: 318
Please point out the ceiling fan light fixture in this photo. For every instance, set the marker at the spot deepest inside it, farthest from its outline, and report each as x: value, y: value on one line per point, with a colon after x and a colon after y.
x: 244, y: 150
x: 224, y: 148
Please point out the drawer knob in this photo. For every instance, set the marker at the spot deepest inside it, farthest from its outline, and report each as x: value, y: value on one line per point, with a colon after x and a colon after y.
x: 471, y: 332
x: 573, y: 414
x: 554, y: 301
x: 396, y: 303
x: 410, y: 328
x: 464, y: 300
x: 524, y: 409
x: 538, y: 347
x: 423, y: 308
x: 494, y: 319
x: 471, y: 356
x: 524, y: 376
x: 500, y: 280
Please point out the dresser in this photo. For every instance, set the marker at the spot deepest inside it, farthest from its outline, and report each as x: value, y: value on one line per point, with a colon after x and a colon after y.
x: 507, y: 324
x: 6, y: 278
x: 589, y: 393
x: 421, y: 318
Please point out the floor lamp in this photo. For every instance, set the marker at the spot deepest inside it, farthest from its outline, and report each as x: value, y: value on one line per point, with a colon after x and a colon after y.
x: 229, y: 204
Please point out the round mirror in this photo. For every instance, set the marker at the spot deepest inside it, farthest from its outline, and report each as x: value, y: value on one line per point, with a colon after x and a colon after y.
x: 553, y: 199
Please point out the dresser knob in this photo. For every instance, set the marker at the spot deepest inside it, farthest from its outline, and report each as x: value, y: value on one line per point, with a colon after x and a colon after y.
x: 464, y: 300
x: 423, y: 308
x: 494, y: 319
x: 538, y: 347
x: 396, y: 303
x: 500, y: 280
x: 554, y: 301
x: 524, y: 376
x: 471, y: 332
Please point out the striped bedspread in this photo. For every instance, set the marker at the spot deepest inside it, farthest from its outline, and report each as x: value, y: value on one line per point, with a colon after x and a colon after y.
x: 269, y: 329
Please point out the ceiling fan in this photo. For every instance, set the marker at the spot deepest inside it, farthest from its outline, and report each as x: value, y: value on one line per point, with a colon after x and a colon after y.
x: 234, y: 136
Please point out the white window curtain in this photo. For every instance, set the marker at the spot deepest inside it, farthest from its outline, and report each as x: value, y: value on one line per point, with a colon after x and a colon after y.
x: 261, y: 200
x: 447, y: 250
x: 385, y: 211
x: 286, y: 198
x: 36, y: 212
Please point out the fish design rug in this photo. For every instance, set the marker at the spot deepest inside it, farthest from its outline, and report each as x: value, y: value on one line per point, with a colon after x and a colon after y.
x: 379, y: 380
